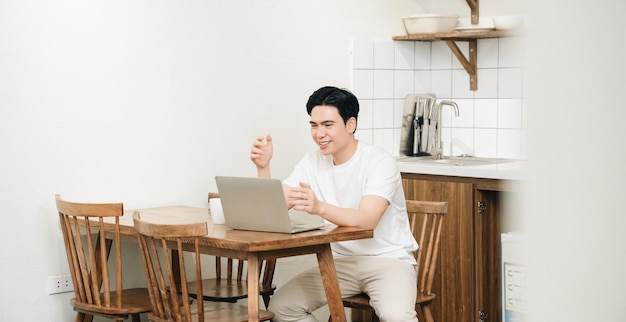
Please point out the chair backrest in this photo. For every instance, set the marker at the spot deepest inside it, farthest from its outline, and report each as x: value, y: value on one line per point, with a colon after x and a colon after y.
x: 426, y: 219
x: 235, y: 270
x: 155, y: 242
x: 88, y: 250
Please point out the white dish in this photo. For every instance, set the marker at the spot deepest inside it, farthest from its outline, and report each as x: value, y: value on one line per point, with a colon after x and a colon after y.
x: 479, y: 28
x: 483, y: 22
x: 430, y: 23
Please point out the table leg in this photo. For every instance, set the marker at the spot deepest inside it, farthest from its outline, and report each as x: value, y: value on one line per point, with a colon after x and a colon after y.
x: 253, y: 287
x: 79, y: 317
x: 331, y: 284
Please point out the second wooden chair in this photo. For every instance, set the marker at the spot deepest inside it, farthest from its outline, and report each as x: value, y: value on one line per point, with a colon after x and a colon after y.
x: 172, y: 301
x: 426, y: 219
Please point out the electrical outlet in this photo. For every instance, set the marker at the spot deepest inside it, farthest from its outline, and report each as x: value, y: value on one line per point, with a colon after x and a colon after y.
x: 60, y: 284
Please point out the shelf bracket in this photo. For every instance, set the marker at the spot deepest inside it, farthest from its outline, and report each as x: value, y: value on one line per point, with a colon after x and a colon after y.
x: 473, y: 4
x: 469, y: 65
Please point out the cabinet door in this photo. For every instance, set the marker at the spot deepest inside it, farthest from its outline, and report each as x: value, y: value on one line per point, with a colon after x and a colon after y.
x: 488, y: 255
x: 454, y: 277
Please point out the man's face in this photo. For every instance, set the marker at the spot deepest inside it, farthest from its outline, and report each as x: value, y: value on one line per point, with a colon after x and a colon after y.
x: 328, y: 130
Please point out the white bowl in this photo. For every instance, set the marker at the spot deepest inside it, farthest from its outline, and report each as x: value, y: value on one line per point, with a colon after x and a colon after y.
x: 508, y: 22
x: 430, y: 23
x: 484, y: 22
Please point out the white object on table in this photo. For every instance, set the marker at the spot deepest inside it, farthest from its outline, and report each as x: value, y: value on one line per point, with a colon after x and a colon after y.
x: 217, y: 213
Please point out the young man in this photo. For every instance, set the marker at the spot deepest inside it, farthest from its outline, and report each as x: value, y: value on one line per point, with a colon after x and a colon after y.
x: 347, y: 183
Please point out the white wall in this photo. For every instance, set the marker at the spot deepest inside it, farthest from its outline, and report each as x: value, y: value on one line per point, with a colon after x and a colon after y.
x: 574, y: 205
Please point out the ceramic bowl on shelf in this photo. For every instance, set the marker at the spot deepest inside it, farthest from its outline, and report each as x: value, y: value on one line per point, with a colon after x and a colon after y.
x: 508, y: 22
x: 484, y: 23
x: 430, y: 23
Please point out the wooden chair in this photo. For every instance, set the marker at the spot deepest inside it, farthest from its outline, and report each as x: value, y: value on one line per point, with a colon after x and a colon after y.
x: 425, y: 218
x: 98, y: 291
x: 230, y: 284
x: 172, y: 302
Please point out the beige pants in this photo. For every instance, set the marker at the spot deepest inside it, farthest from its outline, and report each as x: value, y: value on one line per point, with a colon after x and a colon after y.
x: 390, y: 283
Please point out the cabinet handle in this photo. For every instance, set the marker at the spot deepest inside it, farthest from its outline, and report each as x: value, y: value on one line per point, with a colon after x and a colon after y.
x: 481, y: 208
x: 482, y: 316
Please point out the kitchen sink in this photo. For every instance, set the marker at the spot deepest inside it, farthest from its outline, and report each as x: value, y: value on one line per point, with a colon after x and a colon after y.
x: 454, y: 160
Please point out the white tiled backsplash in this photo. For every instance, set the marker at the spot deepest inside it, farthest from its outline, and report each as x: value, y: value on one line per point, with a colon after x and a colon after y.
x: 490, y: 122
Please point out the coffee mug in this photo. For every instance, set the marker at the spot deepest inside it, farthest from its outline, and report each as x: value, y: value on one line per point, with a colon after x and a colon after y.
x: 217, y: 213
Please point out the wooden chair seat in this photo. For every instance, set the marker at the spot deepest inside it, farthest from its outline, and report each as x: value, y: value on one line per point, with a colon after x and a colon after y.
x: 362, y: 301
x: 216, y: 311
x: 359, y: 301
x: 98, y: 289
x: 425, y: 219
x: 134, y: 301
x: 219, y: 290
x: 228, y: 290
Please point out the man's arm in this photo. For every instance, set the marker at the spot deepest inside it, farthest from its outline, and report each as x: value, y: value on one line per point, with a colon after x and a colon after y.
x: 371, y: 208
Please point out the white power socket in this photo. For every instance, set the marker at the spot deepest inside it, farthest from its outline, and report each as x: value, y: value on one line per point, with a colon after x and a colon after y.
x: 60, y: 284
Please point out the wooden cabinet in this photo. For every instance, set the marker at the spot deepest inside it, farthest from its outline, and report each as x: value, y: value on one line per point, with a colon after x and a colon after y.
x: 468, y: 279
x: 487, y: 257
x: 454, y: 278
x: 468, y: 276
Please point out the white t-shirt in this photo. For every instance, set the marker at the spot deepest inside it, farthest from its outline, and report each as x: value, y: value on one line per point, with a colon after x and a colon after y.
x: 371, y: 171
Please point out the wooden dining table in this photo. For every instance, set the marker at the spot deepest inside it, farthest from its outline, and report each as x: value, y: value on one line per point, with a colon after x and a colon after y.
x: 255, y: 247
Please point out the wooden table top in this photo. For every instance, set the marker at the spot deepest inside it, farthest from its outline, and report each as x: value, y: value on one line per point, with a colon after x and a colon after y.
x: 220, y: 236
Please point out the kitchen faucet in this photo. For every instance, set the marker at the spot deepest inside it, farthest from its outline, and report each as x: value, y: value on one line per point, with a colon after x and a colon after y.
x: 437, y: 150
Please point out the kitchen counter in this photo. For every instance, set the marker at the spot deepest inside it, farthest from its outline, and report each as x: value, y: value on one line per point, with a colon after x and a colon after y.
x: 512, y: 170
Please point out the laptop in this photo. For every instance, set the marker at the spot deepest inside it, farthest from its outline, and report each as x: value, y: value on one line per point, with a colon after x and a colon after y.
x: 258, y: 204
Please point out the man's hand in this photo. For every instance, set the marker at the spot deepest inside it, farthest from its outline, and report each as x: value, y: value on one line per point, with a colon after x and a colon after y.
x: 304, y: 199
x: 261, y: 152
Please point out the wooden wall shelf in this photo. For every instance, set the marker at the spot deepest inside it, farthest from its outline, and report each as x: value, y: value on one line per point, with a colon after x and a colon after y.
x: 469, y: 63
x: 457, y: 35
x: 471, y: 37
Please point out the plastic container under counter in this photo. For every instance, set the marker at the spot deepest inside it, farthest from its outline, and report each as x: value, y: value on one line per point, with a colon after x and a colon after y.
x: 514, y: 283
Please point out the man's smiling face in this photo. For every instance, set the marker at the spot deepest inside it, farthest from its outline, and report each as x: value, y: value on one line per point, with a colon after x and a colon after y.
x: 329, y: 131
